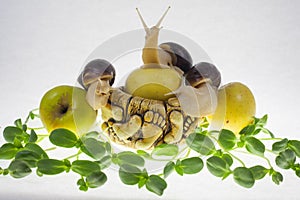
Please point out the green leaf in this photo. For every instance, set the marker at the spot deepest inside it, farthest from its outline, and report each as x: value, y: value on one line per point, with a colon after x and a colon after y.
x: 18, y: 123
x: 285, y: 159
x: 83, y: 188
x: 37, y: 149
x: 280, y: 146
x: 156, y: 184
x: 8, y: 151
x: 227, y: 139
x: 295, y: 146
x: 105, y: 162
x: 92, y: 134
x: 31, y: 115
x: 217, y: 166
x: 108, y: 148
x: 261, y: 122
x: 228, y: 159
x: 297, y: 171
x: 51, y: 166
x: 169, y: 168
x: 255, y: 146
x: 82, y: 185
x: 29, y: 157
x: 178, y: 168
x: 19, y: 169
x: 84, y: 167
x: 200, y: 143
x: 277, y: 177
x: 81, y: 182
x: 268, y: 132
x: 129, y: 175
x: 248, y: 130
x: 67, y: 164
x: 11, y: 132
x: 165, y: 150
x: 128, y: 157
x: 142, y: 182
x: 192, y: 165
x: 243, y: 177
x: 258, y: 172
x: 63, y: 138
x: 143, y: 178
x: 18, y: 141
x: 240, y: 144
x: 93, y: 148
x: 33, y: 136
x: 96, y: 179
x: 204, y: 123
x: 143, y: 154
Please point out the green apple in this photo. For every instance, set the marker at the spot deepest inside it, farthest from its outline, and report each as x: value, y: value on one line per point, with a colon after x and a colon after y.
x: 66, y: 107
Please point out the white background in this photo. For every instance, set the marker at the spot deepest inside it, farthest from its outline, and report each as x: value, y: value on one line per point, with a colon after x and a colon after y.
x: 44, y: 44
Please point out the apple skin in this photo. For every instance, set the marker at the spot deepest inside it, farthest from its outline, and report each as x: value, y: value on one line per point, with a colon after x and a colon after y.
x: 151, y: 83
x: 236, y: 108
x: 66, y: 107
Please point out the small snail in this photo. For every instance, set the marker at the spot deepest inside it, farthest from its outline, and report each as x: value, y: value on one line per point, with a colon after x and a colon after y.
x: 97, y: 78
x: 200, y: 88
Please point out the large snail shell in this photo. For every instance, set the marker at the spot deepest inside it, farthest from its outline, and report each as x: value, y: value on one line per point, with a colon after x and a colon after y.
x: 180, y: 56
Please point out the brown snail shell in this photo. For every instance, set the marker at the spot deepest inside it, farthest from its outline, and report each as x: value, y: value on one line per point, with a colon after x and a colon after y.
x: 95, y: 70
x: 181, y: 58
x: 203, y: 72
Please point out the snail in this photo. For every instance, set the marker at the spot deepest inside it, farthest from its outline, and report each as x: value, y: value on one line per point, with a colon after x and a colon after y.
x: 162, y: 101
x: 97, y: 78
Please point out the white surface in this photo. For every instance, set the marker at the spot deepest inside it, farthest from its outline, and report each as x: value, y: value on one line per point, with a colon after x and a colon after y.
x: 44, y: 43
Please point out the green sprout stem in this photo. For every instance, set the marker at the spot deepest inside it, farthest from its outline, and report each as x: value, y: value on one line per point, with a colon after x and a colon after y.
x: 50, y: 149
x: 187, y: 153
x: 73, y: 156
x: 31, y: 113
x: 236, y: 158
x: 270, y: 151
x: 41, y: 137
x: 268, y: 161
x: 35, y: 128
x: 272, y: 139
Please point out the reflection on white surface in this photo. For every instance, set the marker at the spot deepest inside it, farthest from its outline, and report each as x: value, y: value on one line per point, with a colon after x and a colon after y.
x: 45, y: 43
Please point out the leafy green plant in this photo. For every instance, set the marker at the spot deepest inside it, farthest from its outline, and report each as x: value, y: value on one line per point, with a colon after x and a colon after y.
x: 214, y: 149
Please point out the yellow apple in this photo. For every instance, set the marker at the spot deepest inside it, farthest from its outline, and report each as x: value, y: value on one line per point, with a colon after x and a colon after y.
x: 66, y: 107
x: 236, y: 107
x: 153, y: 83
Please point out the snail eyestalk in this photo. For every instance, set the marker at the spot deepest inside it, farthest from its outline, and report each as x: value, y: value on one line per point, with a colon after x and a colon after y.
x: 162, y: 17
x: 143, y: 21
x: 152, y: 54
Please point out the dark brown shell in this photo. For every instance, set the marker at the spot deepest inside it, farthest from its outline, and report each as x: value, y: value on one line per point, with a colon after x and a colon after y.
x: 181, y: 58
x: 97, y: 69
x: 203, y: 72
